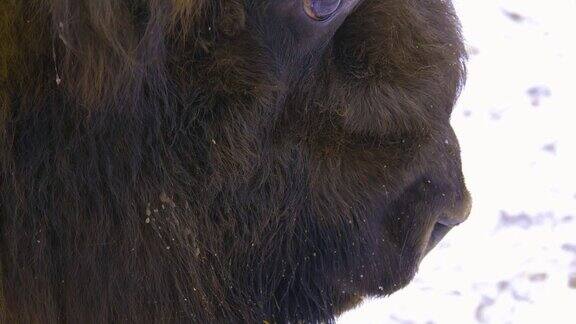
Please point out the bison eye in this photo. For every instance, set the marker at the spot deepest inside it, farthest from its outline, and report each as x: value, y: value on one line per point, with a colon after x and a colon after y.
x: 321, y: 9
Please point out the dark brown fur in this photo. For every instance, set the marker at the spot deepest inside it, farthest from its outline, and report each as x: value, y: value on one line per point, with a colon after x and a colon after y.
x: 210, y: 161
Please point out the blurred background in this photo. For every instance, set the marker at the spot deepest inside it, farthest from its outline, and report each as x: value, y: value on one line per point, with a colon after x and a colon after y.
x: 514, y: 260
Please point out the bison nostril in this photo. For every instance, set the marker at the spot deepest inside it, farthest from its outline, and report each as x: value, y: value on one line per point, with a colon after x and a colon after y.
x: 458, y: 213
x: 448, y: 219
x: 451, y: 219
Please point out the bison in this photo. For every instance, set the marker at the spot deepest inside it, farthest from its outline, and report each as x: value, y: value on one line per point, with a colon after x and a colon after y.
x: 222, y: 161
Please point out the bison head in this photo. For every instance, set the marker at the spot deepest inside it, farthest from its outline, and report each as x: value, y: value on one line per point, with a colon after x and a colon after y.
x: 222, y: 160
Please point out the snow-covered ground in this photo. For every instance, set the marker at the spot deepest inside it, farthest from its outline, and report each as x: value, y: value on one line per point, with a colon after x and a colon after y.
x: 514, y: 261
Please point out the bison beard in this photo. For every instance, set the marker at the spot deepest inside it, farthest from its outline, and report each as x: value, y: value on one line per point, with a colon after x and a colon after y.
x: 221, y: 160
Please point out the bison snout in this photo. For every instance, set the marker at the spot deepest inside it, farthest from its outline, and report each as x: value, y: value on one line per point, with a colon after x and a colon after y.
x: 449, y: 219
x: 458, y: 214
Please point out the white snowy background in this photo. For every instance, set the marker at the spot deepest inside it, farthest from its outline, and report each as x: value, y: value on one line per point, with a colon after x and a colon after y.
x: 514, y: 260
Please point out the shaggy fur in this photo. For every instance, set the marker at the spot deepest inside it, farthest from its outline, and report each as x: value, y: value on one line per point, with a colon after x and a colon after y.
x: 199, y: 161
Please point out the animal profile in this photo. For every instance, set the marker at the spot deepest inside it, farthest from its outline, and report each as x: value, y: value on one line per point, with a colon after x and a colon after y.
x: 222, y: 161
